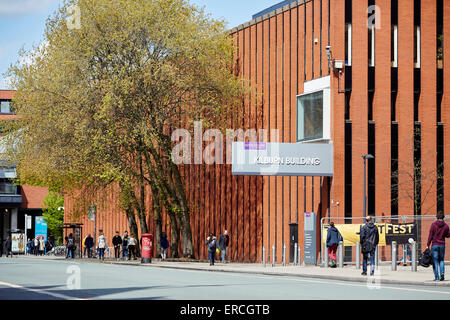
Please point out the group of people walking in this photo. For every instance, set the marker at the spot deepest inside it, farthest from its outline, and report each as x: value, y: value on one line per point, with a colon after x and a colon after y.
x: 217, y: 247
x: 369, y: 239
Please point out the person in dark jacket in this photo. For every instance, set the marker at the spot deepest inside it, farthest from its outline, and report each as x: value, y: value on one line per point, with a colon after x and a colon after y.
x: 333, y: 239
x: 438, y: 232
x: 224, y: 240
x: 125, y: 240
x: 211, y: 242
x: 117, y: 242
x: 89, y: 243
x: 164, y: 245
x: 70, y: 245
x: 7, y: 247
x: 369, y: 240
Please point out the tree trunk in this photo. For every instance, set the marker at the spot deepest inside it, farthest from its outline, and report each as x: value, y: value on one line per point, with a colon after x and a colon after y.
x: 175, y: 231
x: 157, y: 220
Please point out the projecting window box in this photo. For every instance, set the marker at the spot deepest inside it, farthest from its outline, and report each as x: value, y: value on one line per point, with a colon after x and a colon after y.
x: 314, y: 112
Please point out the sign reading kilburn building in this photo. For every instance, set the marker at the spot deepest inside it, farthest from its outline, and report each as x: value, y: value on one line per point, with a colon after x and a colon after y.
x: 282, y: 159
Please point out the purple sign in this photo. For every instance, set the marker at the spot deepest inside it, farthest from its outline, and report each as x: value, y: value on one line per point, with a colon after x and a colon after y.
x: 255, y: 146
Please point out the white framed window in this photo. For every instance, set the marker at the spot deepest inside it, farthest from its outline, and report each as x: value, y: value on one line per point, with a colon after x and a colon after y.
x: 314, y: 111
x: 348, y: 44
x: 371, y: 39
x: 394, y: 46
x: 417, y: 47
x: 5, y: 107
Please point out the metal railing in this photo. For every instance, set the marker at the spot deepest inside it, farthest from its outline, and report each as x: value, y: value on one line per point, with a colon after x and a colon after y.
x: 403, y: 253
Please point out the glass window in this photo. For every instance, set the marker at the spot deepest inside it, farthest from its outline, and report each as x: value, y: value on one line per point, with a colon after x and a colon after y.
x: 417, y: 47
x: 5, y: 107
x: 394, y: 46
x: 348, y: 44
x: 310, y: 116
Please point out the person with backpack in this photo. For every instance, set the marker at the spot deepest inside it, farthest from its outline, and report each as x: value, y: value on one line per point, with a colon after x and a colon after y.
x: 224, y: 241
x: 70, y: 245
x: 102, y: 244
x: 369, y: 238
x: 164, y: 245
x: 125, y: 240
x: 333, y: 239
x: 212, y: 246
x: 117, y: 242
x: 439, y: 230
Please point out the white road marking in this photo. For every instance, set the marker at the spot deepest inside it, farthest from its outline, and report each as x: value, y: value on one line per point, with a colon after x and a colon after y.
x: 55, y: 295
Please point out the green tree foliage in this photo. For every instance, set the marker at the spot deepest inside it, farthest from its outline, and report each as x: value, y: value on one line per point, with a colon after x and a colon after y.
x: 53, y: 214
x: 97, y: 104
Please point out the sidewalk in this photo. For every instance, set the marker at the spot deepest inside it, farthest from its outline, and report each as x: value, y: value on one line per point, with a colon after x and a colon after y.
x: 403, y: 275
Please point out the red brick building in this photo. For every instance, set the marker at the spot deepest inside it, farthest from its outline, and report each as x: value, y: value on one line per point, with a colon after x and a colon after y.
x: 15, y: 201
x: 388, y: 75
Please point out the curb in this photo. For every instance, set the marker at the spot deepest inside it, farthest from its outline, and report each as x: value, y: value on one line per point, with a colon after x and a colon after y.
x: 360, y: 279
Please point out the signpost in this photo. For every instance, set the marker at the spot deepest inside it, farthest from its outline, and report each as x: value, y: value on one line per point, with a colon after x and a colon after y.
x: 310, y: 238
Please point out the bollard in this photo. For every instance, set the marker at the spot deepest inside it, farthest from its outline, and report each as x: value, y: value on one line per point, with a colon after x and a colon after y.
x: 325, y: 259
x: 394, y: 256
x: 295, y: 254
x: 284, y: 255
x: 414, y: 256
x: 264, y: 256
x: 299, y: 256
x: 273, y: 256
x: 341, y: 254
x: 376, y: 258
x: 358, y: 255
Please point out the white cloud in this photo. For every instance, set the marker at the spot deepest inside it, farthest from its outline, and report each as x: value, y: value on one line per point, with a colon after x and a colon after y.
x: 20, y: 7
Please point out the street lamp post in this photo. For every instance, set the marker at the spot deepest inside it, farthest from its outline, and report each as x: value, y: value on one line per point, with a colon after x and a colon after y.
x: 365, y: 157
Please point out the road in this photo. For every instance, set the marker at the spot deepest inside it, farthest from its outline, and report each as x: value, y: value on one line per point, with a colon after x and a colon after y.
x: 36, y: 279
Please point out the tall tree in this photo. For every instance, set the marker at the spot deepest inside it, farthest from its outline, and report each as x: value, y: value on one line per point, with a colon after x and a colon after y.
x: 97, y: 103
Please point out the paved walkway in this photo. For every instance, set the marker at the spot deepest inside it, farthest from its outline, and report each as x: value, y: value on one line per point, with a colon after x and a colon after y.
x: 403, y: 275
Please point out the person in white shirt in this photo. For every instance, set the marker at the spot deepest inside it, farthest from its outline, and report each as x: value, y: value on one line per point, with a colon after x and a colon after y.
x: 101, y: 246
x: 132, y: 247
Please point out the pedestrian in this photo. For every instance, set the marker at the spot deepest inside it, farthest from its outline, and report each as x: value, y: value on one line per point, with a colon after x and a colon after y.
x: 211, y: 242
x: 333, y: 239
x: 89, y: 243
x: 164, y: 245
x: 29, y: 246
x: 36, y: 246
x: 7, y: 247
x: 117, y: 242
x: 125, y: 240
x: 70, y: 245
x: 101, y: 246
x: 224, y: 240
x: 41, y: 246
x: 369, y: 240
x: 132, y: 247
x: 438, y: 232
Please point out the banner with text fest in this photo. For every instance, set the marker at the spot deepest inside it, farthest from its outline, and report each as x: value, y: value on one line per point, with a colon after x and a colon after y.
x: 282, y: 159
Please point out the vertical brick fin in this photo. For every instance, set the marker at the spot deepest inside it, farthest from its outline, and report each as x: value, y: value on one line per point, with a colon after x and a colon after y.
x: 266, y: 106
x: 338, y: 102
x: 279, y: 125
x: 259, y: 125
x: 405, y: 103
x: 272, y: 124
x: 359, y: 102
x: 309, y: 41
x: 428, y: 107
x: 382, y: 109
x: 446, y: 107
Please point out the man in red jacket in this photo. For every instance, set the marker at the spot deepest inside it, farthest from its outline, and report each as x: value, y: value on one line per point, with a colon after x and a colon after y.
x: 438, y: 232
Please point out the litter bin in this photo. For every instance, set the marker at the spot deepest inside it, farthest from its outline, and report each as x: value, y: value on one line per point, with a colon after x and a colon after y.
x: 147, y: 248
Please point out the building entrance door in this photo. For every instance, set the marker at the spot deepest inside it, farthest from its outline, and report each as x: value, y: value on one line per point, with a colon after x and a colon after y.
x: 293, y: 239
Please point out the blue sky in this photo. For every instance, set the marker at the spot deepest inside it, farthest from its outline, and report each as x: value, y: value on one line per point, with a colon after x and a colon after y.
x: 22, y: 22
